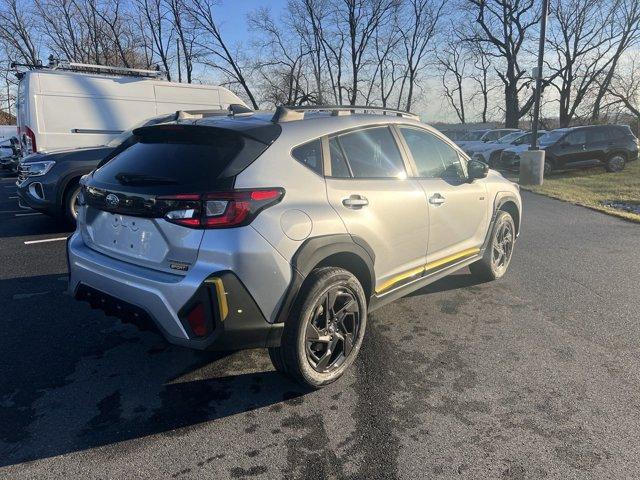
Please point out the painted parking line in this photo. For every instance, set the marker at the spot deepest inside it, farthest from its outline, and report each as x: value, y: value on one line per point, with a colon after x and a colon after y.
x: 45, y: 240
x: 26, y: 214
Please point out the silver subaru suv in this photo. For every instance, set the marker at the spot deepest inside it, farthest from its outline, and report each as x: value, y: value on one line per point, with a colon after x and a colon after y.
x: 284, y: 230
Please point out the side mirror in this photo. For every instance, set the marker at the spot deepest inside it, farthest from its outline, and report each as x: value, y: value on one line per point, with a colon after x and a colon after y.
x: 477, y: 169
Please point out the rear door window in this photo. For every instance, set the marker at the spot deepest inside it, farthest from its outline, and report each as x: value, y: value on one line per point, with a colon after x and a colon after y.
x: 339, y: 168
x: 372, y: 153
x: 579, y: 137
x: 598, y: 135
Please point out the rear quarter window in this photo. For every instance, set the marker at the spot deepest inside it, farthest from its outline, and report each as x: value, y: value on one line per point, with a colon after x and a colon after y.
x: 310, y: 155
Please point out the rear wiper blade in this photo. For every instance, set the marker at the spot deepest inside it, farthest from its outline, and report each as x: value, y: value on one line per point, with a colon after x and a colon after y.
x: 141, y: 179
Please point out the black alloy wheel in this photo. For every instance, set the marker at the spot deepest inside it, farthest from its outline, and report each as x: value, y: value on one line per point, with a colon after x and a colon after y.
x: 331, y: 331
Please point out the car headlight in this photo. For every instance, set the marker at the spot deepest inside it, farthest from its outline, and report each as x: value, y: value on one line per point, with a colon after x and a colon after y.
x: 36, y: 169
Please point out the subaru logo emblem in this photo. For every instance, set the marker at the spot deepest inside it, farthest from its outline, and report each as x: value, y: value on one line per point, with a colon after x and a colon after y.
x: 112, y: 200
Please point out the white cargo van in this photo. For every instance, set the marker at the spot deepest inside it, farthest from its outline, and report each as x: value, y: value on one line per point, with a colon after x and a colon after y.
x: 66, y: 108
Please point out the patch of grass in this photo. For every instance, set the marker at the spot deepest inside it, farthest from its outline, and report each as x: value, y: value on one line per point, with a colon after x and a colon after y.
x: 590, y: 187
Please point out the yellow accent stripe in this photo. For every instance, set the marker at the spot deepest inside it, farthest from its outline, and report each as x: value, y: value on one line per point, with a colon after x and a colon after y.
x: 435, y: 265
x: 399, y: 278
x: 456, y: 256
x: 222, y: 296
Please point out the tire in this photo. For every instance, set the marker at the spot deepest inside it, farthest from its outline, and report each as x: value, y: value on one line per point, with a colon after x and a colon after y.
x: 615, y: 163
x: 315, y: 364
x: 68, y: 203
x: 489, y: 268
x: 548, y: 167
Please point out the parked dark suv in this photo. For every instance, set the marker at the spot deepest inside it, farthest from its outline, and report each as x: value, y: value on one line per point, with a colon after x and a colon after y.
x: 609, y: 145
x: 50, y: 181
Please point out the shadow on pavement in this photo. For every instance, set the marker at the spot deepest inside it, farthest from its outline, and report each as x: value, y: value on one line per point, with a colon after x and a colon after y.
x: 72, y: 378
x: 11, y: 226
x: 450, y: 282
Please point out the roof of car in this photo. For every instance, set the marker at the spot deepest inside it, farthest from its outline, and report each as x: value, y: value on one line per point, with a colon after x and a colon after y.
x: 314, y: 124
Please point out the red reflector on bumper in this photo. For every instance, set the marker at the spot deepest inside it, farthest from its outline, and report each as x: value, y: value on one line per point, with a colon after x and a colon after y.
x: 198, y: 321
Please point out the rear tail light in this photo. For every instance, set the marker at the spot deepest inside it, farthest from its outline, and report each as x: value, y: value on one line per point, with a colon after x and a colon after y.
x: 219, y: 209
x: 28, y: 140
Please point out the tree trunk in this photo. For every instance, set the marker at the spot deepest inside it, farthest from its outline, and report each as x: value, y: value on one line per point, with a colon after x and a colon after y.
x: 512, y: 109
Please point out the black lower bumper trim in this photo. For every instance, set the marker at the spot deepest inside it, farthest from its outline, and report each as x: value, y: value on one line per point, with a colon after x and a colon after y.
x: 243, y: 326
x: 117, y: 308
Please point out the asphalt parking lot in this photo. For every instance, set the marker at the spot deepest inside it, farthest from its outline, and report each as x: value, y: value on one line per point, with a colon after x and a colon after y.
x: 532, y: 376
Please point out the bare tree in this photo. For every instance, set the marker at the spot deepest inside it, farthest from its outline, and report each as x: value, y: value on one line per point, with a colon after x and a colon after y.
x: 626, y: 24
x: 282, y: 64
x: 186, y: 37
x: 417, y: 35
x: 452, y: 62
x: 360, y: 18
x: 624, y: 87
x: 580, y: 38
x: 503, y: 27
x: 481, y: 77
x: 17, y: 26
x: 388, y: 67
x: 307, y: 19
x: 159, y: 28
x: 219, y: 54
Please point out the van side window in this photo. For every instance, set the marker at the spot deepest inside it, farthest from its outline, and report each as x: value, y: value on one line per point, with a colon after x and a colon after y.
x: 310, y: 154
x: 372, y: 153
x: 433, y: 157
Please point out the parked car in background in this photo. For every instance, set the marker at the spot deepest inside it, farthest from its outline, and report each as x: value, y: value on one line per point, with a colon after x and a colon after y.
x: 71, y: 106
x: 8, y: 131
x: 490, y: 152
x: 284, y: 231
x: 471, y: 136
x: 488, y: 136
x: 50, y: 182
x: 10, y: 154
x: 611, y: 146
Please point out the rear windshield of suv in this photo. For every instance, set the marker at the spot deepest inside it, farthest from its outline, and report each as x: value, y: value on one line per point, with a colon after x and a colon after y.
x: 177, y: 158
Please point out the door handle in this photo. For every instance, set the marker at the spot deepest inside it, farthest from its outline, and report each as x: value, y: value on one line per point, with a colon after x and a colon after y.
x: 355, y: 202
x: 436, y: 199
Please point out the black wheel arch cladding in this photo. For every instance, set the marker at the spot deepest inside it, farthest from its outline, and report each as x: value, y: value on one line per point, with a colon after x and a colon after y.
x: 341, y: 250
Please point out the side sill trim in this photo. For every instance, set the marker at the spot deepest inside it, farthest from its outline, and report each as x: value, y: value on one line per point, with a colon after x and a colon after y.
x: 378, y: 301
x: 426, y: 270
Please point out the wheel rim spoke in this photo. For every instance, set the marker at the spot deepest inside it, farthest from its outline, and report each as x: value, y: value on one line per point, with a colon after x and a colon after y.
x: 502, y: 245
x: 348, y: 343
x: 315, y: 335
x: 332, y: 331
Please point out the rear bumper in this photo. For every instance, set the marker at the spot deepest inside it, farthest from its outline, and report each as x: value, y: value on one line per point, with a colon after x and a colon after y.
x: 146, y: 297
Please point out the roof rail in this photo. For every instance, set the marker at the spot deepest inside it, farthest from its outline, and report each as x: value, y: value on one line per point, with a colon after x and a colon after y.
x: 289, y: 113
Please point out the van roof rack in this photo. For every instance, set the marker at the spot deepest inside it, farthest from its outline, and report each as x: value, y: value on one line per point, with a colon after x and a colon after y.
x: 233, y: 110
x: 289, y: 113
x: 57, y: 64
